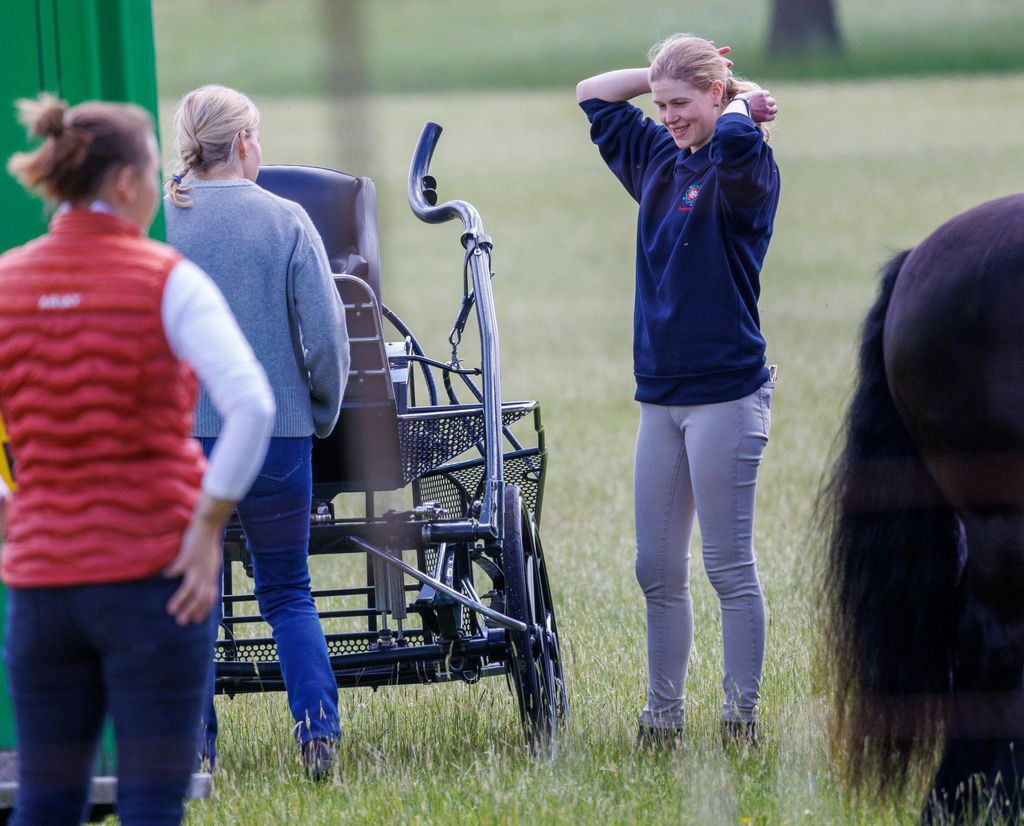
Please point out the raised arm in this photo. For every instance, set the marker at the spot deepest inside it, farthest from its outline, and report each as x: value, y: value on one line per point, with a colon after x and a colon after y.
x: 623, y: 84
x: 620, y: 84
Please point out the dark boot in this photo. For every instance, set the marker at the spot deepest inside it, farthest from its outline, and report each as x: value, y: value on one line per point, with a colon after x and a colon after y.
x: 319, y: 757
x: 739, y: 733
x: 660, y: 739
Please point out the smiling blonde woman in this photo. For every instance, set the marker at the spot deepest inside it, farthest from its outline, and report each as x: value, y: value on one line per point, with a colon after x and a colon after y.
x: 707, y: 187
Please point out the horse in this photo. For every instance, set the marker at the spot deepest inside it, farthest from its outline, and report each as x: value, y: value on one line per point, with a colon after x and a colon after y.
x: 924, y: 523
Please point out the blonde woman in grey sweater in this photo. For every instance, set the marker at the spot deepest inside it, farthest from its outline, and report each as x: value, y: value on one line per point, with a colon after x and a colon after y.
x: 266, y: 257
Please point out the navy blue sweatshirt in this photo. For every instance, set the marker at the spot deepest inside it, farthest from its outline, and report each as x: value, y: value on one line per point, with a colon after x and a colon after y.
x: 703, y: 228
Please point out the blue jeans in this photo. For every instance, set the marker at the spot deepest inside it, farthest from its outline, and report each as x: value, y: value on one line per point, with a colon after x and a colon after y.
x: 75, y: 654
x: 275, y: 519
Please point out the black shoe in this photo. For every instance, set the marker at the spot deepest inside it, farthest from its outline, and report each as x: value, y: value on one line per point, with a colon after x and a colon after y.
x: 660, y: 739
x: 739, y: 733
x: 319, y: 757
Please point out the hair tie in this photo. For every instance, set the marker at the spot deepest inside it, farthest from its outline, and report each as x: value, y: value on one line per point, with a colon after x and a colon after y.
x: 176, y: 178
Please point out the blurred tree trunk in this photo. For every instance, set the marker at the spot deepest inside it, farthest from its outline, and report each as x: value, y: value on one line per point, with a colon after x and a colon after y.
x: 344, y: 32
x: 802, y: 26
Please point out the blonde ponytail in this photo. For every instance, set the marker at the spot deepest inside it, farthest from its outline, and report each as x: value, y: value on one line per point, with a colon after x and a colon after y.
x: 206, y: 126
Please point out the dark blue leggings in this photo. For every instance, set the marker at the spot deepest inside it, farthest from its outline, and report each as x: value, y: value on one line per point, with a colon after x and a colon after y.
x: 76, y: 653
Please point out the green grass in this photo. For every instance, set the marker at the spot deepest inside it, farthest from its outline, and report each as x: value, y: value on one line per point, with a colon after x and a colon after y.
x: 867, y: 168
x: 432, y: 45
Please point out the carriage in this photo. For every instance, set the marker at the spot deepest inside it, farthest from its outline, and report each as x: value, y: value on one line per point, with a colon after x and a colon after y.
x: 453, y: 585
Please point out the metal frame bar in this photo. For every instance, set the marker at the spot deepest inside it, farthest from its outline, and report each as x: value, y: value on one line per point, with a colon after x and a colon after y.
x: 501, y: 619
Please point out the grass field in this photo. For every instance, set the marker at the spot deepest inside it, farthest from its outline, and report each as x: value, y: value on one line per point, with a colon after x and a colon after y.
x: 430, y: 45
x: 867, y: 168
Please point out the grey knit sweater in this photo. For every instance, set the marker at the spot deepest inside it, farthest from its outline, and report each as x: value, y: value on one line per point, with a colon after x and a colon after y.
x: 267, y: 258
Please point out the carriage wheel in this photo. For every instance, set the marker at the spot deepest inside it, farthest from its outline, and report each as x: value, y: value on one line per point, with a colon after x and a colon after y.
x: 534, y: 656
x: 544, y: 611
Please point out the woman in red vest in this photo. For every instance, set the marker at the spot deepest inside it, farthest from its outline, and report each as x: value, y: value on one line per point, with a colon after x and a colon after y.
x: 113, y: 537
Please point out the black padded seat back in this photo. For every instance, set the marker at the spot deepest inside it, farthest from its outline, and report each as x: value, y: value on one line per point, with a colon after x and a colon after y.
x: 363, y: 452
x: 342, y: 207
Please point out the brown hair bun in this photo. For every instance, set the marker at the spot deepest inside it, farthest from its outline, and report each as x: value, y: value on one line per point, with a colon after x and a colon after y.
x: 44, y: 116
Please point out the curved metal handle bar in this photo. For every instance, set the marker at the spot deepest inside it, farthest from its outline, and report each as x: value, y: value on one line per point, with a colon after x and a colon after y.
x: 492, y: 510
x: 418, y: 172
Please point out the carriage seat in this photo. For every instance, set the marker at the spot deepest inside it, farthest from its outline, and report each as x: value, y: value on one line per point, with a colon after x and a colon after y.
x: 363, y: 452
x: 343, y: 209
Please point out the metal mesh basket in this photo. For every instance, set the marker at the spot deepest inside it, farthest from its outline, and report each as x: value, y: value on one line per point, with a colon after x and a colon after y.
x: 429, y: 439
x: 456, y: 486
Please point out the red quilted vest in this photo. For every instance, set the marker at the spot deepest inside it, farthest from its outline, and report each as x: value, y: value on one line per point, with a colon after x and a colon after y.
x: 98, y: 410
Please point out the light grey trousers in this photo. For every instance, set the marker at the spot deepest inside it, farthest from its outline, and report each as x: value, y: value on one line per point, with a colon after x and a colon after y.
x: 700, y: 460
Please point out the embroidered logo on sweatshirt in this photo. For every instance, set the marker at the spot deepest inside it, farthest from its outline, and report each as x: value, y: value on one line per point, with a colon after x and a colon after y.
x: 690, y: 197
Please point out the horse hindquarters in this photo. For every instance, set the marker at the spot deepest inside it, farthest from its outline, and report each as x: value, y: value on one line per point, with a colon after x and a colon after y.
x: 982, y: 765
x: 954, y: 356
x: 890, y: 587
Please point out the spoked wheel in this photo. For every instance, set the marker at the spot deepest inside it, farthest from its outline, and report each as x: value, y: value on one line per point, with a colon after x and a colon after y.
x: 534, y: 656
x: 544, y: 612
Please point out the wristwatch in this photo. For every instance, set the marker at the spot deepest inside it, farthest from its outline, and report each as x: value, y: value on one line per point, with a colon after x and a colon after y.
x: 744, y: 101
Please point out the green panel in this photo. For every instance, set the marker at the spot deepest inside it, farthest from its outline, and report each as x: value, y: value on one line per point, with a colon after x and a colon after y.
x: 46, y: 43
x: 8, y: 732
x: 21, y: 216
x: 79, y: 50
x: 106, y: 52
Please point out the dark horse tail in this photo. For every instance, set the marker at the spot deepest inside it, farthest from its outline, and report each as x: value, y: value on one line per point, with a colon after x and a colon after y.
x: 892, y: 568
